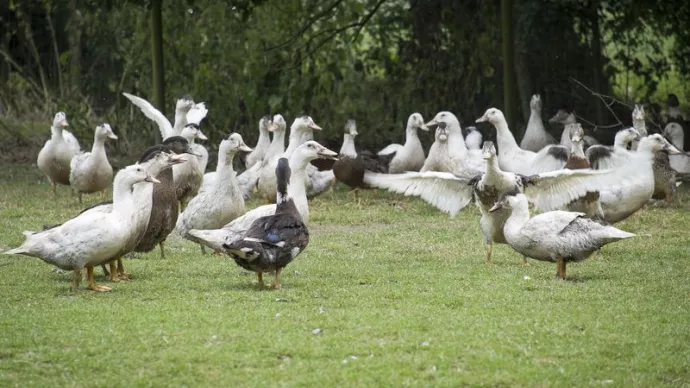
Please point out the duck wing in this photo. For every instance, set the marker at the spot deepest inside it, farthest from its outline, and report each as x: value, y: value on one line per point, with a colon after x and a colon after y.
x: 391, y: 148
x: 550, y: 158
x: 71, y: 141
x: 197, y: 113
x: 447, y: 192
x: 551, y: 190
x: 603, y: 157
x: 154, y: 114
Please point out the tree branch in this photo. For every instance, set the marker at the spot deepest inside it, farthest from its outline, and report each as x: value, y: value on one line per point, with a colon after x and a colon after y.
x: 367, y: 18
x: 602, y: 97
x: 306, y: 26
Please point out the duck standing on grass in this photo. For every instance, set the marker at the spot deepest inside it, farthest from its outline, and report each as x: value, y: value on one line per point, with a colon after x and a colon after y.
x: 90, y: 171
x: 91, y: 238
x: 272, y: 242
x: 557, y: 236
x: 56, y: 155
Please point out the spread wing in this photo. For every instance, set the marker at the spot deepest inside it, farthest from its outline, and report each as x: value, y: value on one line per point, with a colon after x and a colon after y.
x: 391, y: 148
x: 197, y: 113
x: 551, y: 190
x: 550, y: 158
x: 154, y: 114
x: 443, y: 190
x: 601, y: 157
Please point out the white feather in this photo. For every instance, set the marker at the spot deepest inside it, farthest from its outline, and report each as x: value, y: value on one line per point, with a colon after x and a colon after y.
x: 154, y: 114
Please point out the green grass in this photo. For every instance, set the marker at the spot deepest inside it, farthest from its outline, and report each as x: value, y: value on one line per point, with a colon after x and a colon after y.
x: 401, y: 293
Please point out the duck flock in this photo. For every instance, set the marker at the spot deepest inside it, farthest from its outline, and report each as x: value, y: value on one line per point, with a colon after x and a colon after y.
x: 580, y: 188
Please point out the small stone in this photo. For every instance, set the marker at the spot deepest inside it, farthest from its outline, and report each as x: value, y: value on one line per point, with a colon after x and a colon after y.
x: 526, y: 277
x: 283, y: 300
x: 297, y: 273
x: 317, y: 331
x: 425, y: 343
x: 321, y: 310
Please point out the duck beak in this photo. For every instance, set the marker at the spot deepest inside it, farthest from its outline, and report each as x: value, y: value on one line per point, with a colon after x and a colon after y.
x: 245, y: 148
x: 112, y: 136
x: 151, y: 179
x: 190, y: 151
x: 672, y: 150
x: 431, y: 124
x: 576, y: 139
x: 482, y: 119
x: 272, y: 127
x: 327, y: 154
x: 315, y: 127
x: 64, y: 123
x: 498, y: 205
x: 176, y: 159
x: 201, y: 136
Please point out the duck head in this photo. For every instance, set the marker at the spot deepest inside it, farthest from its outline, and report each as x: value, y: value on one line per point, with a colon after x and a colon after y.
x: 351, y: 128
x: 488, y: 150
x: 577, y: 134
x: 265, y: 124
x: 137, y: 173
x: 473, y: 138
x: 60, y: 120
x: 104, y: 130
x: 563, y: 116
x: 638, y: 113
x: 278, y: 124
x: 535, y: 103
x: 179, y: 145
x: 657, y: 143
x: 446, y: 118
x: 512, y: 200
x: 192, y: 131
x: 416, y: 121
x: 233, y: 144
x: 184, y: 103
x: 492, y: 115
x: 311, y: 150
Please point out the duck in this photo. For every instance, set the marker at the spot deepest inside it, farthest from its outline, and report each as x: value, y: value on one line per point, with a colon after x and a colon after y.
x: 674, y: 132
x: 634, y: 185
x: 588, y: 204
x: 638, y: 120
x: 536, y: 137
x: 90, y: 171
x: 91, y: 238
x: 451, y: 193
x: 473, y: 138
x: 601, y: 156
x: 221, y: 202
x: 452, y: 154
x: 350, y: 166
x: 411, y: 156
x: 557, y: 236
x: 514, y: 159
x: 306, y: 152
x: 266, y: 184
x: 272, y: 241
x: 188, y: 177
x: 56, y: 155
x: 183, y: 105
x: 564, y: 117
x: 194, y: 117
x: 262, y: 145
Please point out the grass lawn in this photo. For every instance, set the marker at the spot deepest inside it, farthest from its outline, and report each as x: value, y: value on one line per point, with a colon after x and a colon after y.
x: 389, y: 293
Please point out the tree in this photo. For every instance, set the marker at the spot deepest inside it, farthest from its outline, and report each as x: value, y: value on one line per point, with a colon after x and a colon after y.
x: 157, y: 55
x: 508, y: 50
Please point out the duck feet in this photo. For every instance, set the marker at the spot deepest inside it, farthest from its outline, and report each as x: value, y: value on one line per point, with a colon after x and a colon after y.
x: 489, y: 249
x: 53, y: 187
x: 76, y: 279
x: 525, y: 262
x: 121, y: 273
x: 276, y: 282
x: 560, y: 268
x: 92, y: 284
x: 161, y: 246
x: 260, y: 279
x: 113, y: 273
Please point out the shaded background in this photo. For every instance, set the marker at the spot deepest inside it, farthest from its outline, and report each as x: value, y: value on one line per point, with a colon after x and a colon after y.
x: 373, y: 60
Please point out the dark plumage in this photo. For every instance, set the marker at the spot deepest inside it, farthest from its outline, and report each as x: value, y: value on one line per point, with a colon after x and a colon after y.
x: 350, y: 170
x: 272, y: 242
x: 664, y: 177
x: 559, y: 152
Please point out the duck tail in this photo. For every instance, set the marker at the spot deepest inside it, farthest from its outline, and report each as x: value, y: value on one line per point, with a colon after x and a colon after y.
x: 615, y: 234
x: 212, y: 238
x: 16, y: 251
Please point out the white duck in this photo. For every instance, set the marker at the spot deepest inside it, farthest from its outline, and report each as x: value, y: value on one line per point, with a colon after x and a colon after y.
x: 674, y: 132
x: 221, y: 202
x: 634, y: 184
x: 555, y: 236
x: 215, y: 238
x: 301, y: 127
x: 564, y: 117
x: 91, y: 238
x: 188, y: 177
x: 454, y: 157
x: 194, y: 117
x: 473, y: 139
x: 451, y: 193
x: 262, y: 144
x: 182, y: 107
x: 536, y: 136
x: 638, y: 120
x: 601, y: 156
x: 409, y: 157
x: 56, y: 155
x: 90, y: 171
x: 515, y: 159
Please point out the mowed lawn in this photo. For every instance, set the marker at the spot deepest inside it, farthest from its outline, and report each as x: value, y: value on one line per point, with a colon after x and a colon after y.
x: 388, y: 293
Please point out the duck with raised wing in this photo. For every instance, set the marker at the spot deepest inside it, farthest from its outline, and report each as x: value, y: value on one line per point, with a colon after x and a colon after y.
x: 91, y: 238
x: 56, y: 155
x: 90, y: 171
x: 409, y: 157
x: 215, y: 238
x: 514, y: 159
x: 451, y: 193
x: 183, y: 105
x: 556, y: 236
x: 536, y: 137
x: 273, y: 241
x: 220, y: 202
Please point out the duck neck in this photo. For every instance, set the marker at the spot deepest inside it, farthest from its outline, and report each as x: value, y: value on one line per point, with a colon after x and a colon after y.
x: 504, y: 138
x: 678, y: 139
x: 180, y: 120
x: 278, y: 143
x: 535, y: 120
x: 621, y: 141
x: 517, y: 219
x: 264, y: 138
x: 123, y: 196
x: 56, y: 132
x: 296, y: 137
x: 455, y: 139
x: 348, y: 147
x: 296, y: 189
x: 493, y: 171
x: 640, y: 126
x: 98, y: 147
x: 576, y: 149
x: 224, y: 166
x: 411, y: 135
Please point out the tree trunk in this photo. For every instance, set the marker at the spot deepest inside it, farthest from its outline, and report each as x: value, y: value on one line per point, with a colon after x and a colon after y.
x: 597, y: 60
x: 525, y: 87
x: 157, y: 57
x: 509, y: 100
x: 74, y: 40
